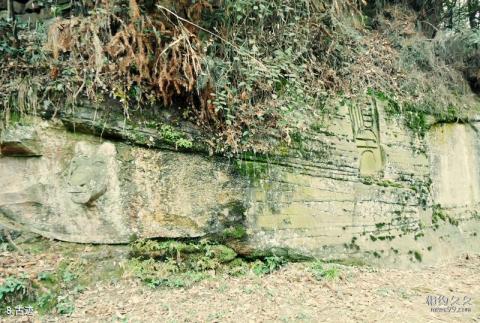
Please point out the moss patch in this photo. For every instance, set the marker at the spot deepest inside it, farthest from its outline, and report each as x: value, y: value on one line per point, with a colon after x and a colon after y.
x: 234, y: 232
x: 251, y: 169
x: 415, y: 114
x: 438, y: 215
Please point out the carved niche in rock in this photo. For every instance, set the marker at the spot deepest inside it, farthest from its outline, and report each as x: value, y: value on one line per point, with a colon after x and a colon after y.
x: 366, y: 133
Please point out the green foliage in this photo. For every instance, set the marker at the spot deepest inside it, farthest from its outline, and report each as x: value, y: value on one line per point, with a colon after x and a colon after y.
x: 55, y: 290
x: 417, y: 255
x: 162, y: 249
x: 438, y: 214
x: 237, y: 267
x: 223, y: 253
x: 422, y: 189
x: 174, y: 137
x: 260, y: 72
x: 237, y: 232
x: 392, y: 106
x: 7, y: 40
x: 69, y: 276
x: 319, y: 272
x: 46, y: 302
x: 268, y: 265
x: 14, y: 289
x: 254, y: 170
x: 65, y: 305
x: 414, y: 115
x: 415, y: 120
x: 177, y: 264
x: 180, y: 264
x: 164, y: 274
x: 44, y: 296
x: 46, y: 276
x: 255, y: 69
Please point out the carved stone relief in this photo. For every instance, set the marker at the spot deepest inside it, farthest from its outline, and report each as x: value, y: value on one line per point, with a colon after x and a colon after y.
x: 86, y: 177
x: 366, y: 133
x: 76, y: 188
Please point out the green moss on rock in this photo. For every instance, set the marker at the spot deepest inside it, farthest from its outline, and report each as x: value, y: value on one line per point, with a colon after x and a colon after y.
x: 222, y: 253
x: 235, y: 232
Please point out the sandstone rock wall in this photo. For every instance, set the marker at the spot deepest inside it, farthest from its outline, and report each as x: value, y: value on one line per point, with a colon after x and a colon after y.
x: 454, y: 157
x: 363, y: 187
x: 83, y: 189
x: 377, y: 192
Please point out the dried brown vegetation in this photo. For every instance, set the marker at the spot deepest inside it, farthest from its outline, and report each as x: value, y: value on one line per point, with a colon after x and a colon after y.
x: 136, y: 50
x: 243, y: 70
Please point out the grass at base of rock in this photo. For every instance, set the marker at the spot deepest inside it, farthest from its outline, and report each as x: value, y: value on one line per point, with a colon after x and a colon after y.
x: 63, y: 280
x: 52, y: 275
x: 181, y: 264
x: 49, y: 275
x: 46, y: 291
x: 322, y: 271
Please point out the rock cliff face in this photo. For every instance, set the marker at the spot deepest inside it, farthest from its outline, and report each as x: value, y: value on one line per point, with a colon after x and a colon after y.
x: 83, y: 189
x: 378, y: 192
x: 364, y: 187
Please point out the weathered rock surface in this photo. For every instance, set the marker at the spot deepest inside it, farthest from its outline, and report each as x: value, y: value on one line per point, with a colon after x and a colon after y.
x: 363, y: 187
x: 84, y: 189
x: 382, y: 194
x: 20, y: 141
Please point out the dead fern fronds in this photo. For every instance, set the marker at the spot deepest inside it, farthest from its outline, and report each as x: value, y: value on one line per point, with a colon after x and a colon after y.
x: 60, y: 36
x: 155, y: 52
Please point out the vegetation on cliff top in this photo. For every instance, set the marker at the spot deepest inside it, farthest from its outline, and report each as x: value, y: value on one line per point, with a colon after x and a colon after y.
x: 245, y: 70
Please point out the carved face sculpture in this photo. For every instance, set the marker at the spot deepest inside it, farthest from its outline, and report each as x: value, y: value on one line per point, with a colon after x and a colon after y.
x: 87, y: 178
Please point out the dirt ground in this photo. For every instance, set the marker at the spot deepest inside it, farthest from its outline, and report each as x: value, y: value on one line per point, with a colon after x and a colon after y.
x: 291, y: 294
x: 363, y: 295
